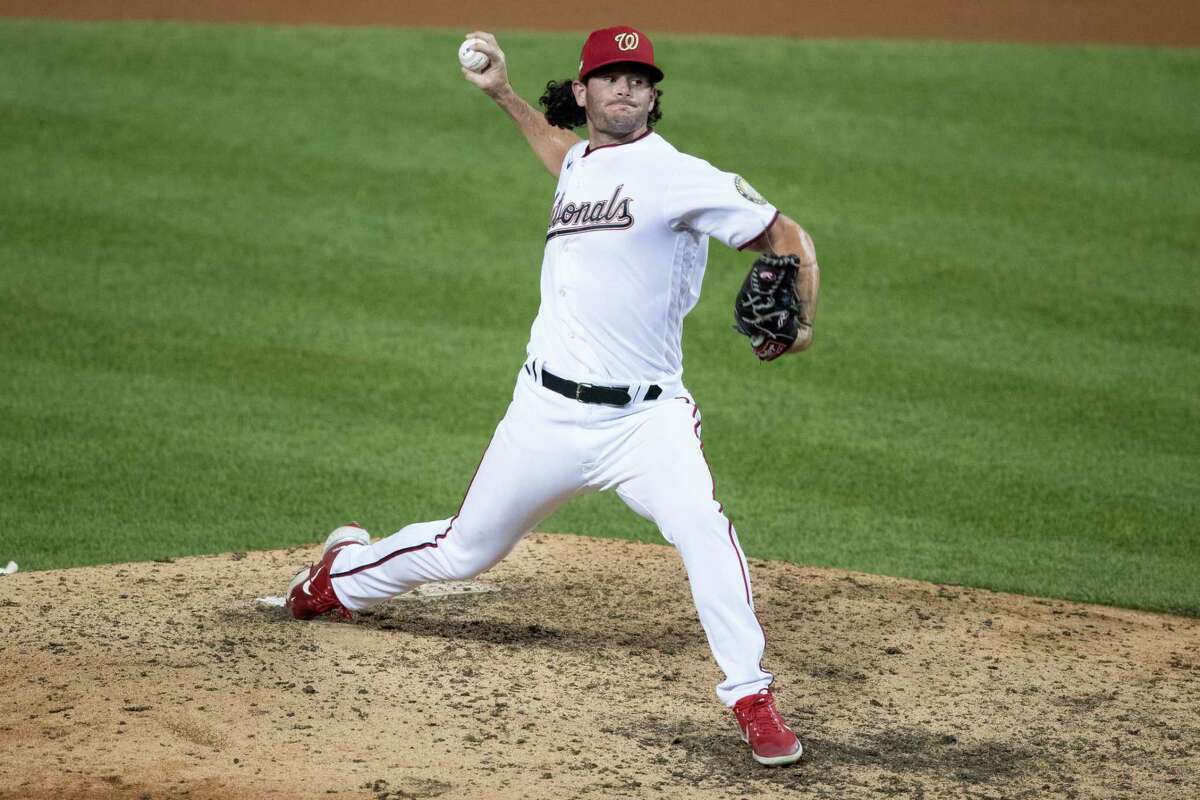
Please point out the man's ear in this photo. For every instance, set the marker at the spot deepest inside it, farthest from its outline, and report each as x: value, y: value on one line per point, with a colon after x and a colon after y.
x: 580, y: 91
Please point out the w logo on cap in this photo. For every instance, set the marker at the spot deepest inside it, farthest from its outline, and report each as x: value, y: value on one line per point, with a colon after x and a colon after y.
x: 627, y: 41
x: 620, y: 44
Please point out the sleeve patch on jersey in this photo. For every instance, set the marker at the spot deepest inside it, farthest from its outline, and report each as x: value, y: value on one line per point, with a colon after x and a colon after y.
x: 747, y: 191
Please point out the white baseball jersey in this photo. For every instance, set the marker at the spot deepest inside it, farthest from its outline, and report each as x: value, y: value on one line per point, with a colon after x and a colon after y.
x: 625, y: 255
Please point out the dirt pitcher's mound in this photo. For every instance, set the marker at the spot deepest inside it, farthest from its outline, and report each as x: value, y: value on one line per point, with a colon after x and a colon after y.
x: 585, y: 675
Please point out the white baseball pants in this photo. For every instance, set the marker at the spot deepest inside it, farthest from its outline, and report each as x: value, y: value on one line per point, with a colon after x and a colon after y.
x: 549, y: 448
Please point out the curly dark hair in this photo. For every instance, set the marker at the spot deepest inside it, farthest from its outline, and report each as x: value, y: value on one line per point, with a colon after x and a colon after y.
x: 563, y: 112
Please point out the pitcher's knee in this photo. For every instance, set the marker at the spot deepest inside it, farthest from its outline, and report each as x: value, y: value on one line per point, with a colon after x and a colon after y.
x: 465, y: 557
x: 695, y: 525
x: 701, y: 518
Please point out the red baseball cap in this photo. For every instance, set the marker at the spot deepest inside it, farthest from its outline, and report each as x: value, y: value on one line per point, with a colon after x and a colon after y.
x: 617, y: 45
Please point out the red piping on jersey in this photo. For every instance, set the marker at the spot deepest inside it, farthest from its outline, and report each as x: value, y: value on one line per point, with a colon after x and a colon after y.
x: 764, y: 230
x: 589, y: 149
x: 432, y: 543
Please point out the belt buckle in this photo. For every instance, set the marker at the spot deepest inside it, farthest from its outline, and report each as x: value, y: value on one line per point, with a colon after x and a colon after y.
x: 579, y: 387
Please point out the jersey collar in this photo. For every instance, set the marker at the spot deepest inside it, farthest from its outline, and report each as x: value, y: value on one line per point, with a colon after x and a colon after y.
x: 589, y: 149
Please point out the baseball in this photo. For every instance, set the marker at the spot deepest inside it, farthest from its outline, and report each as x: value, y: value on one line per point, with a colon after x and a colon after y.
x: 471, y: 58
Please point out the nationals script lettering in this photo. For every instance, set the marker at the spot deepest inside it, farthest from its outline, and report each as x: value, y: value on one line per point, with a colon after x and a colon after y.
x: 601, y: 215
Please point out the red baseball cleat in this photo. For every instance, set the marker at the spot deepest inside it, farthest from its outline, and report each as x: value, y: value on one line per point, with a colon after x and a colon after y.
x: 310, y: 594
x: 771, y: 740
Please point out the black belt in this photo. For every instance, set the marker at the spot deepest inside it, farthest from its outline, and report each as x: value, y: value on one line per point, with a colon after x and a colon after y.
x: 590, y: 393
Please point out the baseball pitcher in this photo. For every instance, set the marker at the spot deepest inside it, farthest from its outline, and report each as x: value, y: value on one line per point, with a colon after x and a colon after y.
x: 600, y: 403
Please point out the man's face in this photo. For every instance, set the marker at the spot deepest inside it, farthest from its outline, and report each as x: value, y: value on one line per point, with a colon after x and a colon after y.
x: 618, y: 99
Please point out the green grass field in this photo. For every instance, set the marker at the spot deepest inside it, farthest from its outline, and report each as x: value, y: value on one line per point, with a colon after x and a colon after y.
x: 255, y: 282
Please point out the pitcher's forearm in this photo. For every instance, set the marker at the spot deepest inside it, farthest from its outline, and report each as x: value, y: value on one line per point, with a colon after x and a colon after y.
x: 786, y: 238
x: 808, y: 282
x: 808, y: 276
x: 549, y: 143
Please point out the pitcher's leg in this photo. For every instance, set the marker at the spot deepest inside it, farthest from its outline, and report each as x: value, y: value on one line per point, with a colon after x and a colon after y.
x: 720, y: 584
x: 668, y: 481
x: 512, y: 490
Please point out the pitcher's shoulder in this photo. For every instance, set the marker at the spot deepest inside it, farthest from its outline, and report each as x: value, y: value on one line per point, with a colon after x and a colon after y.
x: 669, y: 154
x: 657, y: 143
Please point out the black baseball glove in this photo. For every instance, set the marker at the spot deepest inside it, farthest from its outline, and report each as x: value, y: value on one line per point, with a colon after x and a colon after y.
x: 767, y: 309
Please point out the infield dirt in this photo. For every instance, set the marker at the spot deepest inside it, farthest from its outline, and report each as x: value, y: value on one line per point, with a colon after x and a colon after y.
x: 586, y: 674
